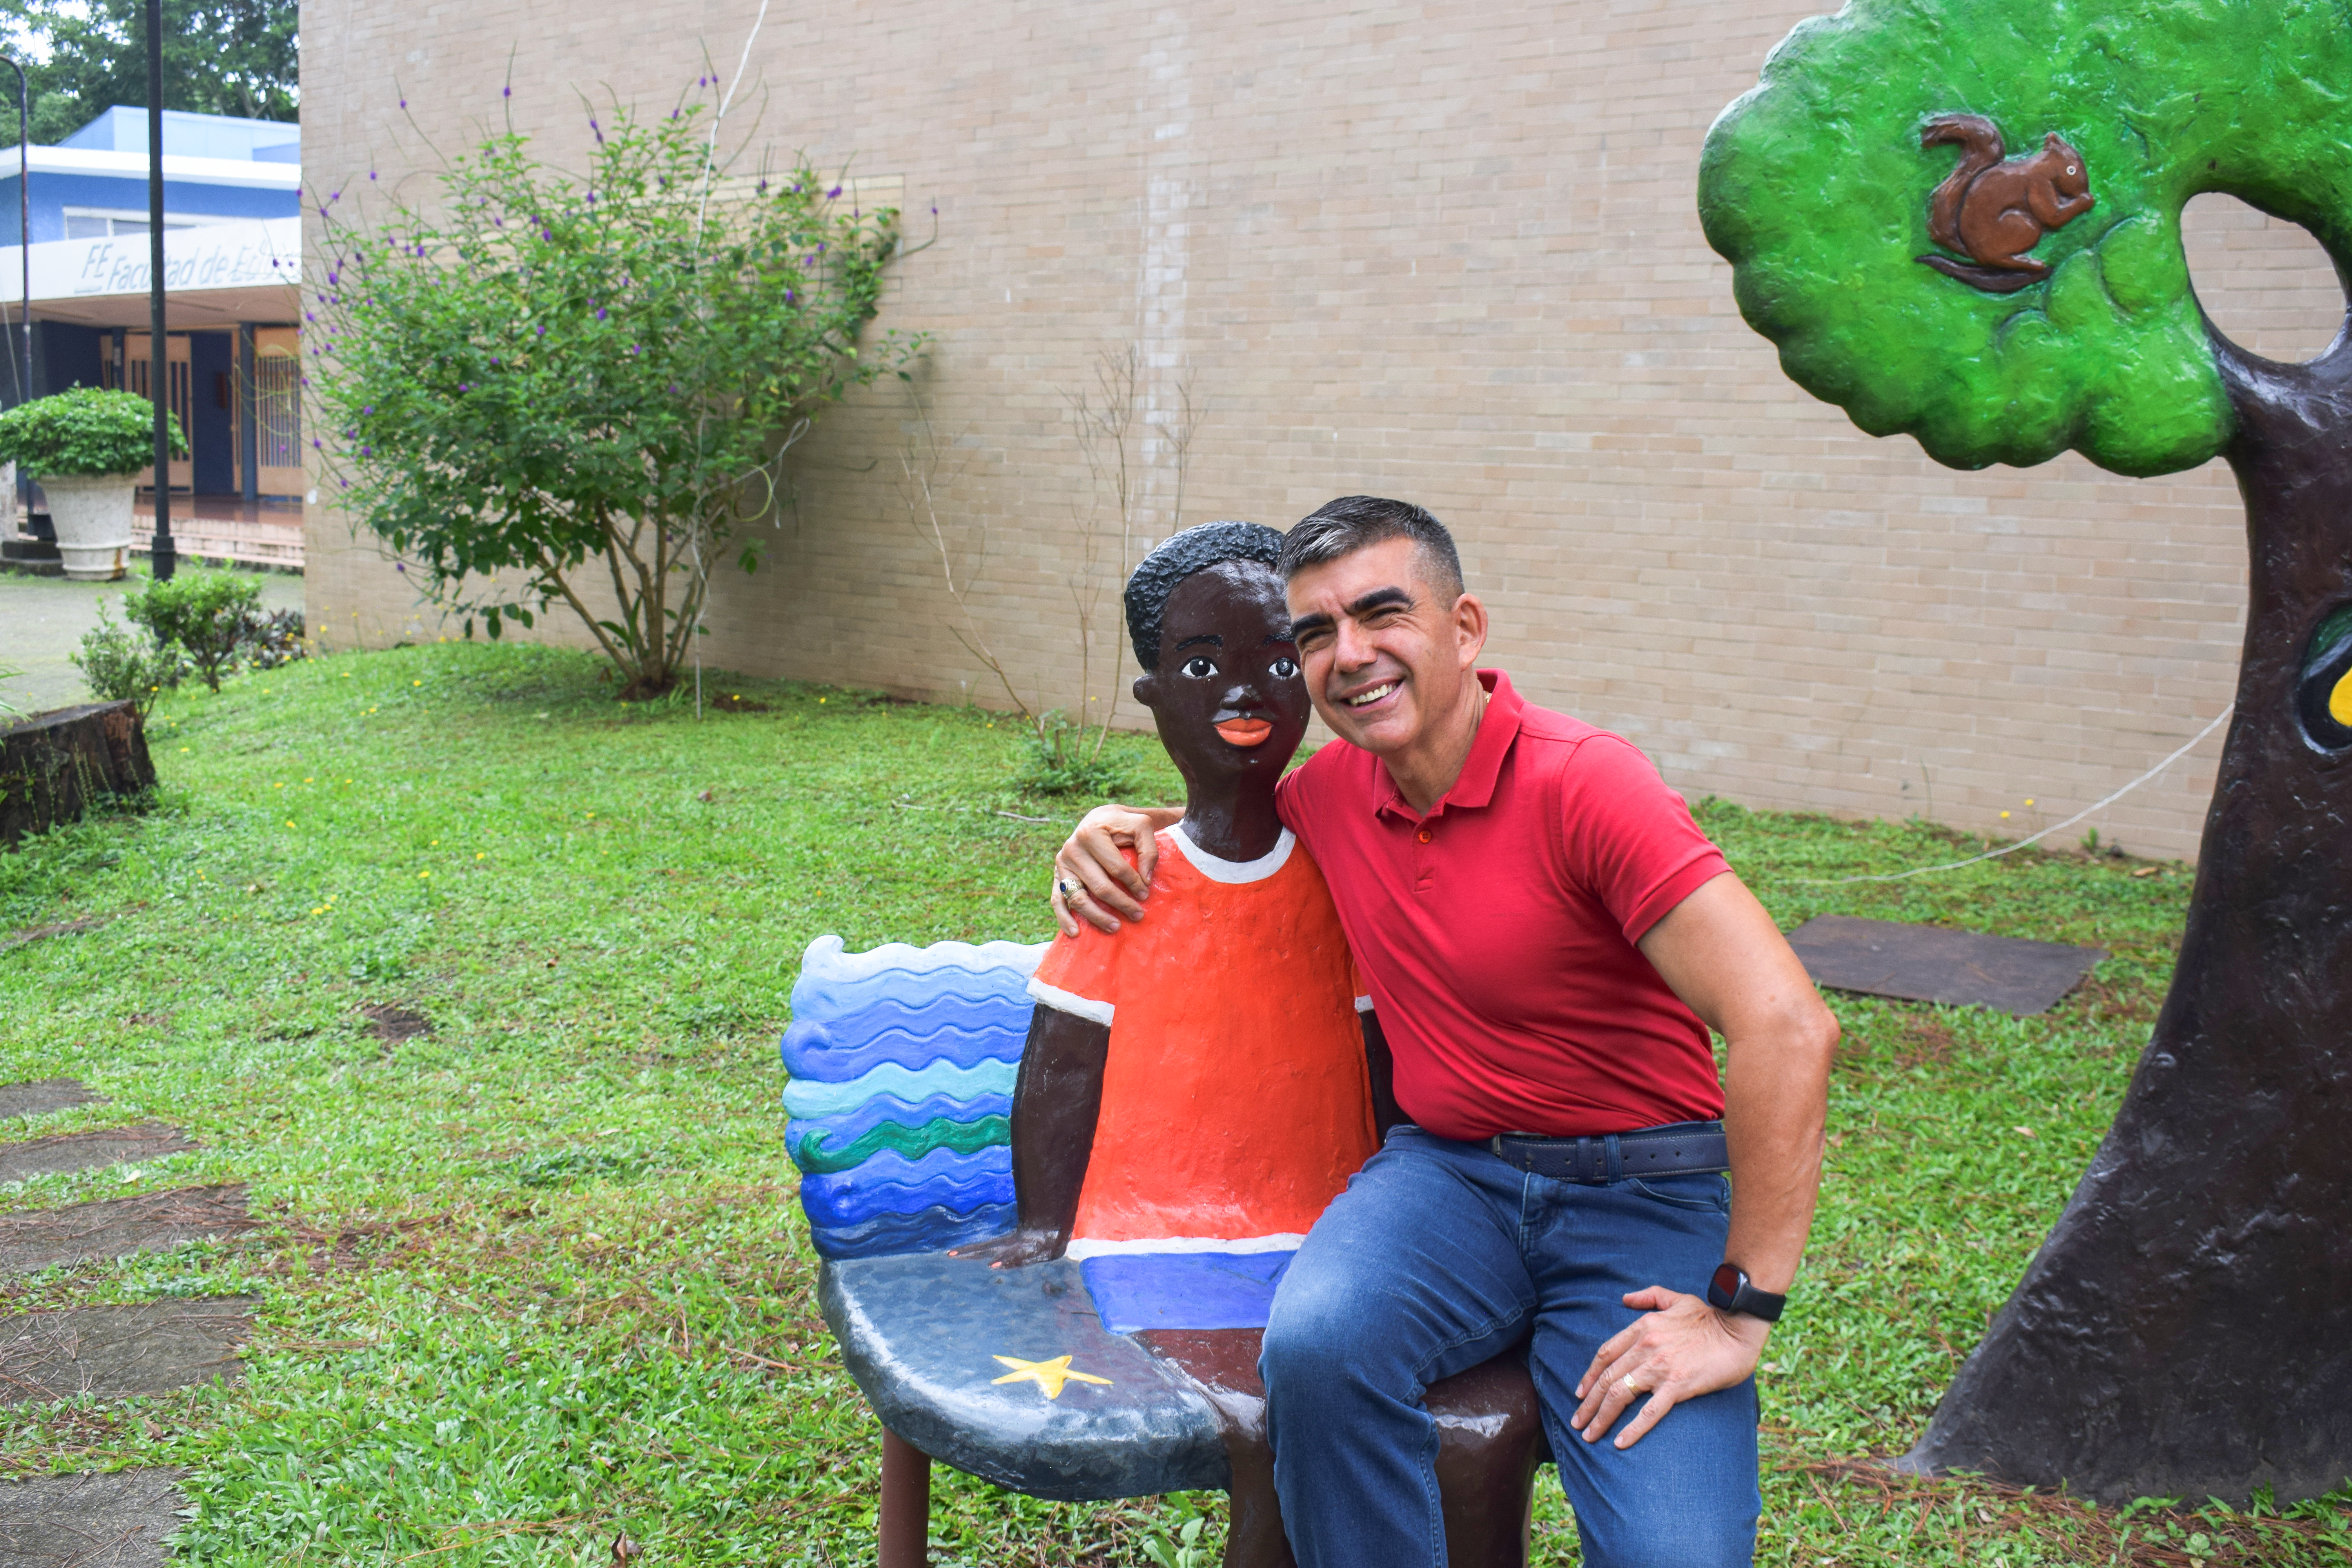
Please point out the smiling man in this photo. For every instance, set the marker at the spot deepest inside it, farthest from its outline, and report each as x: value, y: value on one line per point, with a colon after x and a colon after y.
x: 1548, y: 936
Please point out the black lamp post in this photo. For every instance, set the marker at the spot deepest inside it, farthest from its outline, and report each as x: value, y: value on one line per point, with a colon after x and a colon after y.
x: 165, y: 558
x: 24, y: 218
x: 24, y: 377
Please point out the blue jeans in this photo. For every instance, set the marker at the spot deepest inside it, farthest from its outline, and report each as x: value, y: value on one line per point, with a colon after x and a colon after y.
x: 1440, y: 1255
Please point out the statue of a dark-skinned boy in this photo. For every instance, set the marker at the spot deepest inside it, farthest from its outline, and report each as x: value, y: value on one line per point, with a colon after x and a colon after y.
x: 1189, y: 1101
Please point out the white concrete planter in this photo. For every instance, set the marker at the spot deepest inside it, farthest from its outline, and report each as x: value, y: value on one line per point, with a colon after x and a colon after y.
x: 93, y: 514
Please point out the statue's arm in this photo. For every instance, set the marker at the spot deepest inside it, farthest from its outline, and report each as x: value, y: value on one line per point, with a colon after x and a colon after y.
x: 1056, y: 1099
x: 1382, y: 1068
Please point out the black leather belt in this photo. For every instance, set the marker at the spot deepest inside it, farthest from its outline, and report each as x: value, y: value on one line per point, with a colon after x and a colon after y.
x: 1681, y: 1148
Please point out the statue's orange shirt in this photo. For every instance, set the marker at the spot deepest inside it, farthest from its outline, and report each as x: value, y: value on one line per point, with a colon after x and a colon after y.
x: 1235, y: 1099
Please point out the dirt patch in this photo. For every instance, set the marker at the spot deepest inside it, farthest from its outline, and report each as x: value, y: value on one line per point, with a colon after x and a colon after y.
x: 152, y: 1347
x: 45, y: 1095
x: 392, y: 1024
x: 113, y: 1520
x: 1925, y: 1041
x: 149, y: 1223
x: 2102, y: 1002
x: 730, y: 703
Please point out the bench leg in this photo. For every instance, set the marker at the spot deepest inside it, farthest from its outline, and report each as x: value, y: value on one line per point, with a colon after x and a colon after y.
x: 905, y: 1522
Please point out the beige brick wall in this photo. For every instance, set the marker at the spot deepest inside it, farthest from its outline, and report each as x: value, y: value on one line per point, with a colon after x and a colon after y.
x: 1446, y: 251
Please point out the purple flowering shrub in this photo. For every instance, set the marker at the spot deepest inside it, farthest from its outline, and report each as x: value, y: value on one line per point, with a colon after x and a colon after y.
x: 560, y: 379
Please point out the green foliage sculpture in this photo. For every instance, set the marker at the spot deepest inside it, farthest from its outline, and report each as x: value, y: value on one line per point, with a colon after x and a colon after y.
x: 2187, y: 1327
x: 543, y: 381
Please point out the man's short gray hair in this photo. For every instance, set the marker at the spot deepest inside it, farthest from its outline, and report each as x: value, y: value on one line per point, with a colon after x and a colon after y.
x: 1342, y: 527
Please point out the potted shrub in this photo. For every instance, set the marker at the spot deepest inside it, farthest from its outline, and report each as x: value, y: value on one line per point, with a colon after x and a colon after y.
x: 87, y: 446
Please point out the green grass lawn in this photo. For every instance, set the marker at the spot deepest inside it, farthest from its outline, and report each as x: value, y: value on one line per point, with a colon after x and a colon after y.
x: 537, y: 1278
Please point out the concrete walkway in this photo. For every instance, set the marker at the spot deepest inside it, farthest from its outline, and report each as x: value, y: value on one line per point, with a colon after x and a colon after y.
x: 42, y: 620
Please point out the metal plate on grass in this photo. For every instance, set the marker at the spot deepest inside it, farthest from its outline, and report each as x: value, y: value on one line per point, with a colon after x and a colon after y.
x: 1931, y: 964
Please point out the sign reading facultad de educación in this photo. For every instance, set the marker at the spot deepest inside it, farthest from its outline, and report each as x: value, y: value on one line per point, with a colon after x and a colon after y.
x: 216, y: 256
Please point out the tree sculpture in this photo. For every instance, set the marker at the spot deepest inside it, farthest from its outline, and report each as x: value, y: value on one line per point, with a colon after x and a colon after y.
x: 2187, y: 1327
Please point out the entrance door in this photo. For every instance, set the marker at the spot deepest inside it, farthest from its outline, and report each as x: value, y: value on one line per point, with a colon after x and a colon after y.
x: 136, y: 366
x: 278, y: 396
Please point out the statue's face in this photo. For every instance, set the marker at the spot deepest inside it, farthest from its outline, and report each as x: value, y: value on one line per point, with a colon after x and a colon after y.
x: 1227, y: 696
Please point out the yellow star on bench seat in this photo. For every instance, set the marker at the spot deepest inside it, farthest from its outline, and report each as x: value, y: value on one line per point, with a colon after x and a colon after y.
x: 1048, y: 1376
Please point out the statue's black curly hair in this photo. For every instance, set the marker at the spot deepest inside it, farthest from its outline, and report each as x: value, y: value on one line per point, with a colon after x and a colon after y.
x: 1176, y: 558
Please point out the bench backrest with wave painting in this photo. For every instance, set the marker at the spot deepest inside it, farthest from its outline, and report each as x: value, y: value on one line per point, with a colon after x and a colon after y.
x: 902, y: 1063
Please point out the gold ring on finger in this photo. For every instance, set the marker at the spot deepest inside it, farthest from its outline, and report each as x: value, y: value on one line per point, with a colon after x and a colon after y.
x: 1629, y: 1384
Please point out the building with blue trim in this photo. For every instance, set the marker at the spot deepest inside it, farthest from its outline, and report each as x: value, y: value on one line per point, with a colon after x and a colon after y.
x: 232, y: 199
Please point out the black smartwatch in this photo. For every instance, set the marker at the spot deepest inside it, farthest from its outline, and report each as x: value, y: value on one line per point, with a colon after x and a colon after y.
x: 1729, y: 1292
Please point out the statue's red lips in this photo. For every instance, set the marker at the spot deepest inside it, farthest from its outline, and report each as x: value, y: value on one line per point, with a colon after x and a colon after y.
x: 1245, y: 732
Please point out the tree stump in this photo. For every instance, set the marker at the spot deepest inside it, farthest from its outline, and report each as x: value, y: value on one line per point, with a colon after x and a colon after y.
x: 54, y: 766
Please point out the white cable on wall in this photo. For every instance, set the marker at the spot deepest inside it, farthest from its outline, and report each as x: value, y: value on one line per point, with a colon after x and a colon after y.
x: 2054, y: 828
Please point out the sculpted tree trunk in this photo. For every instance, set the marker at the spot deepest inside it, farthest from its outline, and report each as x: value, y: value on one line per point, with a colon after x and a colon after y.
x: 2186, y: 1330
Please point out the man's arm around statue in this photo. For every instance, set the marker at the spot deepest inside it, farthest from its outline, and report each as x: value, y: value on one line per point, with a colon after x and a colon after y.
x: 1452, y: 1244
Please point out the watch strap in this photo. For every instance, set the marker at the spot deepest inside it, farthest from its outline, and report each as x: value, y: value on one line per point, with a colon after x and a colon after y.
x: 1729, y: 1292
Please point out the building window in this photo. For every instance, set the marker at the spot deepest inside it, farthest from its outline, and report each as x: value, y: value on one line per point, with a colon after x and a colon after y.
x: 104, y: 223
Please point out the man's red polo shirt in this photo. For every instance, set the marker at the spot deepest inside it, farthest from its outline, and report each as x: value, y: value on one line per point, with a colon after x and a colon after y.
x: 1496, y: 933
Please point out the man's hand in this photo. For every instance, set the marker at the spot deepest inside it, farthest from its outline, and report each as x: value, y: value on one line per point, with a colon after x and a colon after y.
x: 1016, y: 1249
x: 1682, y: 1349
x: 1103, y: 889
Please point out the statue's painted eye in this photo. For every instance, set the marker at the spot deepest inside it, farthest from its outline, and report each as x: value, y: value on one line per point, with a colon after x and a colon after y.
x: 1285, y: 668
x: 2323, y: 695
x: 2070, y: 168
x: 1200, y: 669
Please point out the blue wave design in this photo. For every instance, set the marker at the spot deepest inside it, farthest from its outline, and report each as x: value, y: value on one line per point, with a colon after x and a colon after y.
x: 835, y: 983
x: 807, y: 1099
x: 852, y: 1125
x: 963, y: 1033
x: 929, y: 1230
x: 890, y: 1184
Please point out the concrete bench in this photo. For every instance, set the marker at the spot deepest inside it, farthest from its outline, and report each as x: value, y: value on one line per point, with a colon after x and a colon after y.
x: 902, y: 1064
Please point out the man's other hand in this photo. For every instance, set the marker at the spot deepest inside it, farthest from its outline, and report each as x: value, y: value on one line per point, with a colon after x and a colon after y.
x: 1102, y: 887
x: 1681, y: 1349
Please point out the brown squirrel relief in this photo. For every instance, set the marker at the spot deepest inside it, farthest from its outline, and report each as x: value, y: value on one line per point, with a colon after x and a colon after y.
x: 1994, y: 211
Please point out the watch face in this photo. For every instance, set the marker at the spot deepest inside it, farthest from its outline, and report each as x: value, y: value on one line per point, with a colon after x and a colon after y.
x: 1727, y: 1281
